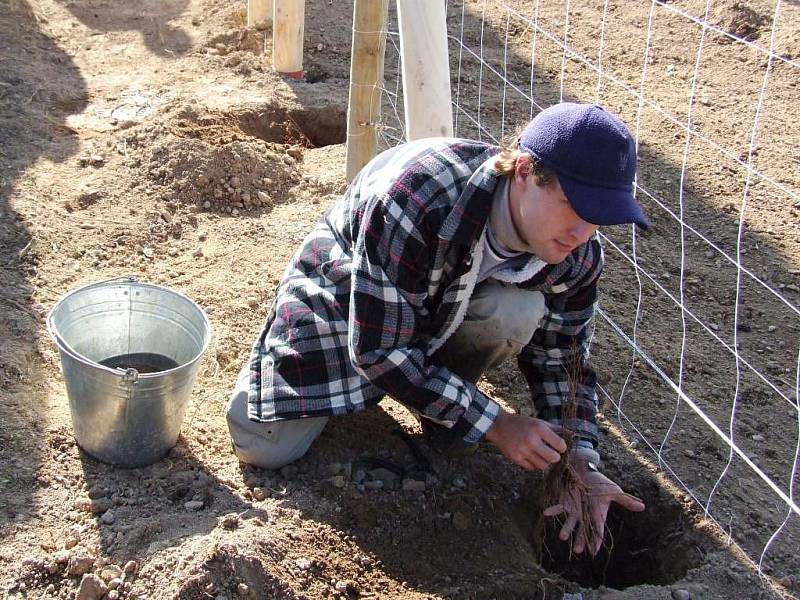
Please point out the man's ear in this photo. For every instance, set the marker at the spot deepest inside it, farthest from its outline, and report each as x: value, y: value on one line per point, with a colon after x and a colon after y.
x: 522, y: 168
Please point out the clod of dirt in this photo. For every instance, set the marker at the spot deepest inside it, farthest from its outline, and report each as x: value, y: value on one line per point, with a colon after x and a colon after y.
x: 736, y: 18
x: 91, y: 588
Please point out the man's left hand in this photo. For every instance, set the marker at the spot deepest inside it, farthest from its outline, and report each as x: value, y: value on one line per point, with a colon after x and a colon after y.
x: 601, y: 492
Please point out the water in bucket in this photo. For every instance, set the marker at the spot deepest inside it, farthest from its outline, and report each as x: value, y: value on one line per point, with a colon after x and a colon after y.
x: 130, y: 353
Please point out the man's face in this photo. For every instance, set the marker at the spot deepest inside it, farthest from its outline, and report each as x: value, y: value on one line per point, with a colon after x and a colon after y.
x: 544, y: 218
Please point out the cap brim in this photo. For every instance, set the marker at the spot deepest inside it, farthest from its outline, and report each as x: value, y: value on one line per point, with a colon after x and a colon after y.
x: 603, y: 206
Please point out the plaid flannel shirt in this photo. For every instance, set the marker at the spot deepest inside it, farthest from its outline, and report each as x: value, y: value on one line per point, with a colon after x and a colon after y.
x: 385, y: 278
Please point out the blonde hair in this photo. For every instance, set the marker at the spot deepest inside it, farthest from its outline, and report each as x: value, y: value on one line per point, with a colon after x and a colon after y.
x: 510, y: 153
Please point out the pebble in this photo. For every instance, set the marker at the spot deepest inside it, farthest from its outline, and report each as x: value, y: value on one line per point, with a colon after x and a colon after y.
x: 173, y: 252
x: 61, y: 557
x: 289, y: 471
x: 253, y: 302
x: 193, y: 505
x: 97, y: 160
x: 114, y: 583
x: 689, y: 453
x: 459, y: 483
x: 100, y: 505
x: 80, y: 563
x: 341, y: 587
x: 243, y: 589
x: 337, y: 481
x: 235, y: 212
x: 109, y: 573
x: 198, y: 252
x: 207, y: 204
x: 113, y: 595
x: 758, y: 438
x: 108, y: 517
x: 96, y: 491
x: 91, y: 588
x: 303, y: 564
x: 413, y: 485
x: 130, y: 567
x: 264, y: 198
x: 681, y: 594
x: 231, y: 521
x: 259, y: 494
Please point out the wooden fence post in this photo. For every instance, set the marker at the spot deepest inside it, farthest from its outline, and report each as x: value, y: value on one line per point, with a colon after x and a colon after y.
x: 287, y: 37
x: 426, y: 68
x: 259, y: 11
x: 366, y: 75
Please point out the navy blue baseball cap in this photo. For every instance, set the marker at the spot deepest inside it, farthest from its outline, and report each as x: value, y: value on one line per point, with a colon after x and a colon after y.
x: 594, y: 156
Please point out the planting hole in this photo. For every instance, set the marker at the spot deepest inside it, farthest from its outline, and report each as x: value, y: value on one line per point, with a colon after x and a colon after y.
x: 656, y: 547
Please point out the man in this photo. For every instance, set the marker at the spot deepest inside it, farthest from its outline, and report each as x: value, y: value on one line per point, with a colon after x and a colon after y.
x: 443, y: 258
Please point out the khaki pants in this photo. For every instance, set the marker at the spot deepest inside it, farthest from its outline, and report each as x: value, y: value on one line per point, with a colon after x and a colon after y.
x: 500, y: 320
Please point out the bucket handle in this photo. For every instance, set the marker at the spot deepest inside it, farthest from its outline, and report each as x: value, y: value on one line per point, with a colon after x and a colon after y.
x: 129, y: 376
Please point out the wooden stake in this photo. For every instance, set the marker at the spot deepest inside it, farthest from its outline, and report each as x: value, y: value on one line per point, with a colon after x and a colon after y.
x: 426, y: 68
x: 259, y: 11
x: 366, y: 74
x: 287, y: 37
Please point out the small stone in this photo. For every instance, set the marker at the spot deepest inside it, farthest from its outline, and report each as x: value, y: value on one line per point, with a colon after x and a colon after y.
x: 303, y: 564
x: 198, y: 252
x: 230, y: 521
x: 72, y: 540
x: 148, y: 252
x: 413, y: 485
x: 295, y: 152
x: 166, y: 217
x: 113, y: 595
x: 758, y: 438
x: 341, y: 587
x: 108, y: 517
x: 61, y: 557
x: 130, y: 567
x: 234, y: 182
x: 91, y: 588
x: 243, y: 589
x: 114, y: 583
x: 253, y: 302
x: 772, y: 328
x: 320, y: 47
x: 100, y: 505
x: 110, y: 572
x: 207, y: 204
x: 96, y: 491
x: 193, y: 505
x: 235, y: 212
x: 459, y: 483
x: 259, y: 494
x: 80, y: 563
x: 97, y: 160
x: 359, y: 475
x: 689, y: 453
x: 337, y: 481
x: 289, y: 472
x: 681, y: 594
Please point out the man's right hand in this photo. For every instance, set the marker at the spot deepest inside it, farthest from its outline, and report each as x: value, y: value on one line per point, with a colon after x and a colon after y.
x: 531, y: 443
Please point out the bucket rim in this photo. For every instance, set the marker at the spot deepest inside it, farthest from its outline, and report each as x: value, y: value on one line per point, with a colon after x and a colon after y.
x: 62, y: 344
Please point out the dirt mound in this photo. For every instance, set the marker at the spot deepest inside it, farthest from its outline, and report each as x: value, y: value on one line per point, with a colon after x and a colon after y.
x: 738, y: 19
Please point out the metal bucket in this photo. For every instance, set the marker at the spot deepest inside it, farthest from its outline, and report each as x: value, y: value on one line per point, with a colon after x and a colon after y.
x: 125, y: 415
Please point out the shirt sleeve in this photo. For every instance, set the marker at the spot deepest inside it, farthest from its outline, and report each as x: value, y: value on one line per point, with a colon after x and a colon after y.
x: 390, y: 322
x: 555, y: 362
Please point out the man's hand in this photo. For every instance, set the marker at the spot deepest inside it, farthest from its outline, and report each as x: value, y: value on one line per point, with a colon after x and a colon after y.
x: 601, y: 492
x: 530, y: 443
